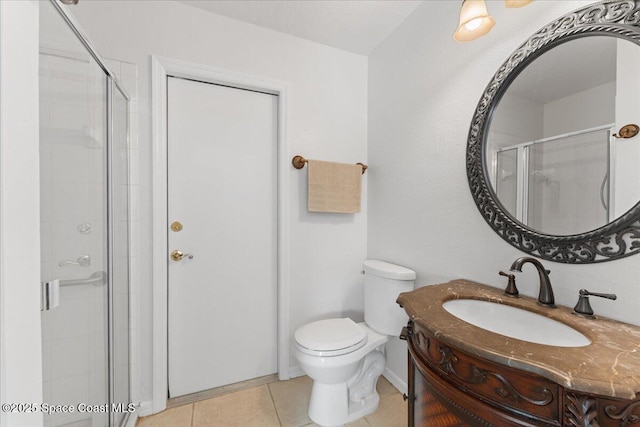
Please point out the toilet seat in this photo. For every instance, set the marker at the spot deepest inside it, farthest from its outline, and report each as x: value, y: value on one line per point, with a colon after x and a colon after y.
x: 330, y: 337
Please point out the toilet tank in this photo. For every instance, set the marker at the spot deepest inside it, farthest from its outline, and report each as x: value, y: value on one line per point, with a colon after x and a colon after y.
x: 383, y: 282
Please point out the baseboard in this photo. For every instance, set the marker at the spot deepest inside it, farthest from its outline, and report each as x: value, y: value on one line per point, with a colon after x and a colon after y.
x: 395, y: 380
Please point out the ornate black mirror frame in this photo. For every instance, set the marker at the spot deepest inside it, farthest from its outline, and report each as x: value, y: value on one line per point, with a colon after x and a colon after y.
x: 620, y: 238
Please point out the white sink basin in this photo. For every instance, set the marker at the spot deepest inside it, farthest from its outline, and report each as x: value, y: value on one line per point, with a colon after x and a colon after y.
x: 515, y: 323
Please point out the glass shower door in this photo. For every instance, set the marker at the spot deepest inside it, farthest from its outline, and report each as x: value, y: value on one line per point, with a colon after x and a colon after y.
x: 567, y: 181
x: 74, y: 223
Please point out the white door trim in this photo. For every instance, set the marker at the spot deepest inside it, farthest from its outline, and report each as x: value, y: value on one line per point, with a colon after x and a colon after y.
x: 160, y: 68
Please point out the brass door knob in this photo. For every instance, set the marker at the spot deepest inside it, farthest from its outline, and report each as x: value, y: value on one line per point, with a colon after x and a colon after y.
x: 179, y: 256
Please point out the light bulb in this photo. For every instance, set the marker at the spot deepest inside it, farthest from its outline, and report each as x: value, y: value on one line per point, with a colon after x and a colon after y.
x: 473, y: 24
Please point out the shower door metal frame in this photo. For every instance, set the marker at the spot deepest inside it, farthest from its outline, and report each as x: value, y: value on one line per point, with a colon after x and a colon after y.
x: 111, y: 219
x: 75, y: 27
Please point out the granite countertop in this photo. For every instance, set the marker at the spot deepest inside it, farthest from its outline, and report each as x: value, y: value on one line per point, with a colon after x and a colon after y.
x: 609, y: 366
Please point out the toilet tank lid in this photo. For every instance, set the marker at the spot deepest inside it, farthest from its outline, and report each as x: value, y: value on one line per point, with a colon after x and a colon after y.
x: 388, y: 270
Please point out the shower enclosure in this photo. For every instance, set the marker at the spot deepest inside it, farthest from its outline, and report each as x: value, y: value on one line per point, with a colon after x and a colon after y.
x: 558, y: 185
x: 84, y: 174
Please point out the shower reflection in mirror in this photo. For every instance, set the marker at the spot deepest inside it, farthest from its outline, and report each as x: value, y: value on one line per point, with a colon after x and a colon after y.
x: 559, y: 185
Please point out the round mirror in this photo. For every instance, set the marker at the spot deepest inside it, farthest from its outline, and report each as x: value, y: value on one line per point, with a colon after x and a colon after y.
x: 548, y: 165
x: 552, y: 160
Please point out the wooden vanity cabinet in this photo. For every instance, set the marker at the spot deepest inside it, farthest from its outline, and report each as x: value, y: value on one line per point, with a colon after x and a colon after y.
x: 449, y: 387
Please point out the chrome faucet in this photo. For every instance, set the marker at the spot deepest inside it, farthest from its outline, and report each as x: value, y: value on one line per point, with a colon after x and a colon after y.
x: 545, y: 297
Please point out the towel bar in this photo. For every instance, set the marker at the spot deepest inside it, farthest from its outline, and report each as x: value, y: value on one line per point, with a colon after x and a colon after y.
x: 298, y: 162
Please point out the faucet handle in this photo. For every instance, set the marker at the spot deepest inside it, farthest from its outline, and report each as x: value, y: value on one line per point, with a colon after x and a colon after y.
x: 583, y: 307
x: 596, y: 294
x: 511, y: 289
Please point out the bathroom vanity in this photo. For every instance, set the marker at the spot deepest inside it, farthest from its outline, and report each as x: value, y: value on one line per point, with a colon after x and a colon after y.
x: 463, y: 375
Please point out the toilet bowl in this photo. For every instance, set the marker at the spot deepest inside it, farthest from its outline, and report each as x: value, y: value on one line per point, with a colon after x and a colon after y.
x: 345, y: 359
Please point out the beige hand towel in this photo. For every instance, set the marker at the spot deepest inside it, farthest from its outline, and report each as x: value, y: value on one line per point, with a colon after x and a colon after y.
x: 334, y: 187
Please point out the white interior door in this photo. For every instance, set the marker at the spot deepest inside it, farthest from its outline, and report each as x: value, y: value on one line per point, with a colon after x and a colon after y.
x: 222, y: 190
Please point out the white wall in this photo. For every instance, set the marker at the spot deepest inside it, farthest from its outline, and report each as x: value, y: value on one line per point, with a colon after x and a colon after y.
x: 327, y: 120
x: 626, y: 176
x: 507, y: 120
x: 20, y: 347
x: 593, y: 107
x: 423, y: 91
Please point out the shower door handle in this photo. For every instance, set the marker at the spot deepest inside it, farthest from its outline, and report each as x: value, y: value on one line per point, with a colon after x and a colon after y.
x: 179, y: 256
x: 49, y: 295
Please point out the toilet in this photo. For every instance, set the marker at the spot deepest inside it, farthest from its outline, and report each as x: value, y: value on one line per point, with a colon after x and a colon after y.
x: 344, y: 358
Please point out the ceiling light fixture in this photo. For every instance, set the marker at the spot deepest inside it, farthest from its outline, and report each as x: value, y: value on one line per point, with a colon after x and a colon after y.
x: 475, y: 21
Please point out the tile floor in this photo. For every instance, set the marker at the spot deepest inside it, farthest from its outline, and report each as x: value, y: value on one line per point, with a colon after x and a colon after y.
x: 280, y: 403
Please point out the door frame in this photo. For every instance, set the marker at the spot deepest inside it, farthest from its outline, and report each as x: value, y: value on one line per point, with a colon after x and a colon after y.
x: 161, y: 68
